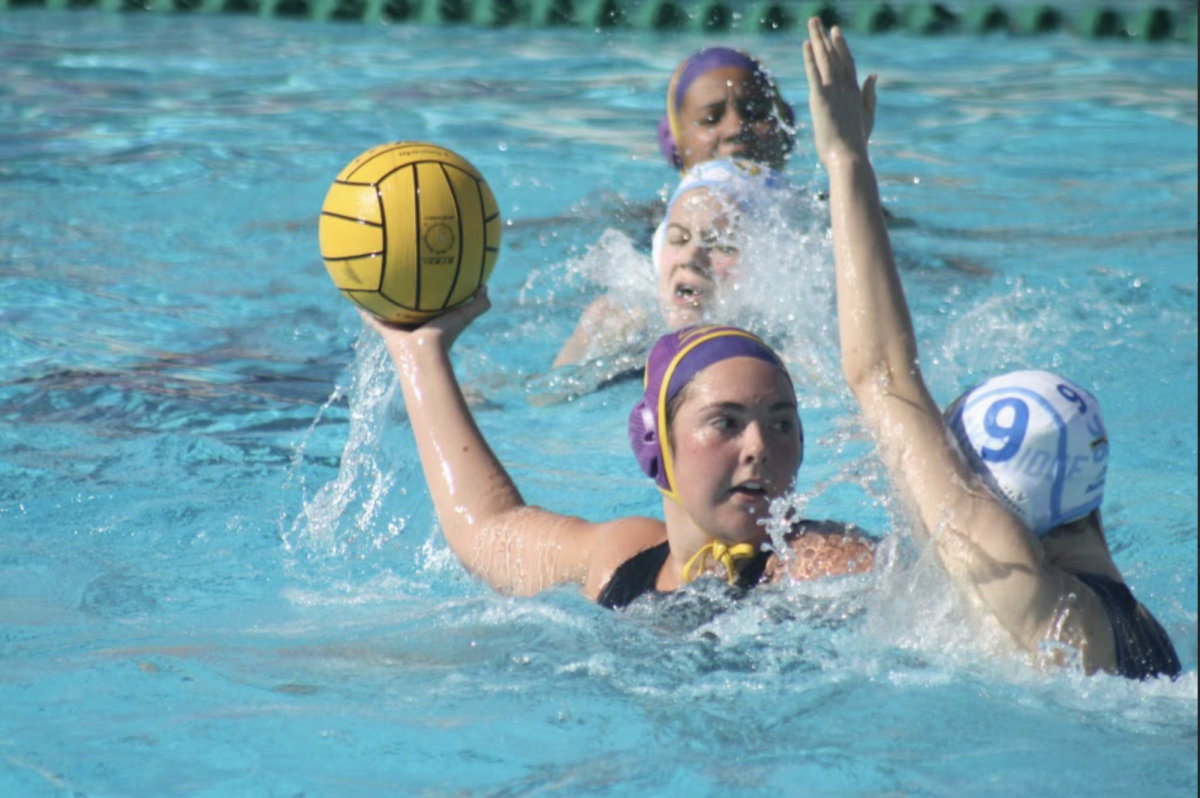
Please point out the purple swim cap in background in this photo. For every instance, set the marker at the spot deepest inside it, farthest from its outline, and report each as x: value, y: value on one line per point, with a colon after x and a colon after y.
x: 686, y: 74
x: 673, y: 361
x: 706, y: 61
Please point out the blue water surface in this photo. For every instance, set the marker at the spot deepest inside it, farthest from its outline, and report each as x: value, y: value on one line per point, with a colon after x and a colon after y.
x: 219, y: 570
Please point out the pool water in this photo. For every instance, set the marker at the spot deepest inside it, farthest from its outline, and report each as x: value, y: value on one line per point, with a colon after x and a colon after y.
x: 220, y: 573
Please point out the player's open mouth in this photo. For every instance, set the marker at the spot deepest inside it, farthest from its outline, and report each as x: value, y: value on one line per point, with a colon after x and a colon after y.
x: 688, y: 294
x: 751, y: 489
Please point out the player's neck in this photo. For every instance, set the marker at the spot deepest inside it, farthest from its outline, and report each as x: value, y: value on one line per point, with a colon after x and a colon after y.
x: 1081, y: 547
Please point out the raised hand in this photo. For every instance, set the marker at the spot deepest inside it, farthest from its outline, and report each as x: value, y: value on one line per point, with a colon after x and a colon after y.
x: 843, y: 113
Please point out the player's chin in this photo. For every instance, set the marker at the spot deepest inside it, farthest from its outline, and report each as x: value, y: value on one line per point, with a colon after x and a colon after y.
x: 742, y: 516
x: 731, y: 151
x: 770, y: 151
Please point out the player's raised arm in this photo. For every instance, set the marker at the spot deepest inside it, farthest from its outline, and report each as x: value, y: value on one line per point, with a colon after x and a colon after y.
x: 983, y: 545
x: 513, y: 547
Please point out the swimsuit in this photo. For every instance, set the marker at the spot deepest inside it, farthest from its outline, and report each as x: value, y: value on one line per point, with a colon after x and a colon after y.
x: 639, y: 574
x: 1144, y: 649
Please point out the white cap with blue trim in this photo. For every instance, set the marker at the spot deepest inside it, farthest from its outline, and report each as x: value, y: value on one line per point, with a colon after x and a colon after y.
x: 1039, y: 441
x: 744, y: 184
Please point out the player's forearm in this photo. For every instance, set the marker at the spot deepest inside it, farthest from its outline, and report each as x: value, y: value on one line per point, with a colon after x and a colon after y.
x: 874, y: 323
x: 469, y: 486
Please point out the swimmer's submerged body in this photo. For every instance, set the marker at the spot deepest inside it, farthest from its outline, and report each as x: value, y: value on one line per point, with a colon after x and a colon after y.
x: 733, y: 445
x: 825, y: 553
x: 1027, y: 544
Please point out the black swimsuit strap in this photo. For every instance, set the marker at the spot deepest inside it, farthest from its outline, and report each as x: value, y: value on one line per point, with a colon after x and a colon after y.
x: 635, y: 576
x: 1144, y: 648
x: 639, y: 574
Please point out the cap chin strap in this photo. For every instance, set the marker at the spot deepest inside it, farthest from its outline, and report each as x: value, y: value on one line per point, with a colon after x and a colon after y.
x: 725, y: 555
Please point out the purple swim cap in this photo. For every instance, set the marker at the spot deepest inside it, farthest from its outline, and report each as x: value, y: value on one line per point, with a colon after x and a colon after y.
x: 706, y: 61
x: 675, y: 359
x: 699, y: 64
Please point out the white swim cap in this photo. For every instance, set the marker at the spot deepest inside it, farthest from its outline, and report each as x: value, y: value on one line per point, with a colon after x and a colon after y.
x: 744, y: 184
x: 1039, y: 441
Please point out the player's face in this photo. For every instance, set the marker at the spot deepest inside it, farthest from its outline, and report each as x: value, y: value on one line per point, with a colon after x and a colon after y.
x: 730, y: 112
x: 700, y: 250
x: 737, y: 445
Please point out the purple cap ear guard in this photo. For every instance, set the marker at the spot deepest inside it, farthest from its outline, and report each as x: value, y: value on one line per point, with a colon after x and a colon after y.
x: 643, y: 437
x: 666, y: 143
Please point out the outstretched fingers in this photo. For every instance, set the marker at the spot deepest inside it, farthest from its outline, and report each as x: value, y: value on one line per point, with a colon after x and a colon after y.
x: 868, y: 104
x: 817, y: 52
x: 845, y: 61
x: 451, y: 323
x: 477, y: 305
x: 810, y: 66
x: 445, y: 327
x: 829, y: 55
x: 843, y: 114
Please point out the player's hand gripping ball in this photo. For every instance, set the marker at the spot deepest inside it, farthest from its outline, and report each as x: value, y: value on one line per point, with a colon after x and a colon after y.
x: 409, y: 230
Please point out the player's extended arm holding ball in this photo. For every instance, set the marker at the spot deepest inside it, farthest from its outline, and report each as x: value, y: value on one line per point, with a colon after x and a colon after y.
x: 717, y: 430
x: 514, y: 547
x: 987, y: 549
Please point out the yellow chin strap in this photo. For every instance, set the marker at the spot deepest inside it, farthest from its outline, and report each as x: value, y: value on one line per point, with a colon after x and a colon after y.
x: 726, y: 555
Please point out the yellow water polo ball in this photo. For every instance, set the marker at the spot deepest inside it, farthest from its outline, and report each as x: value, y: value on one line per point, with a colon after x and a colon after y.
x: 409, y: 230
